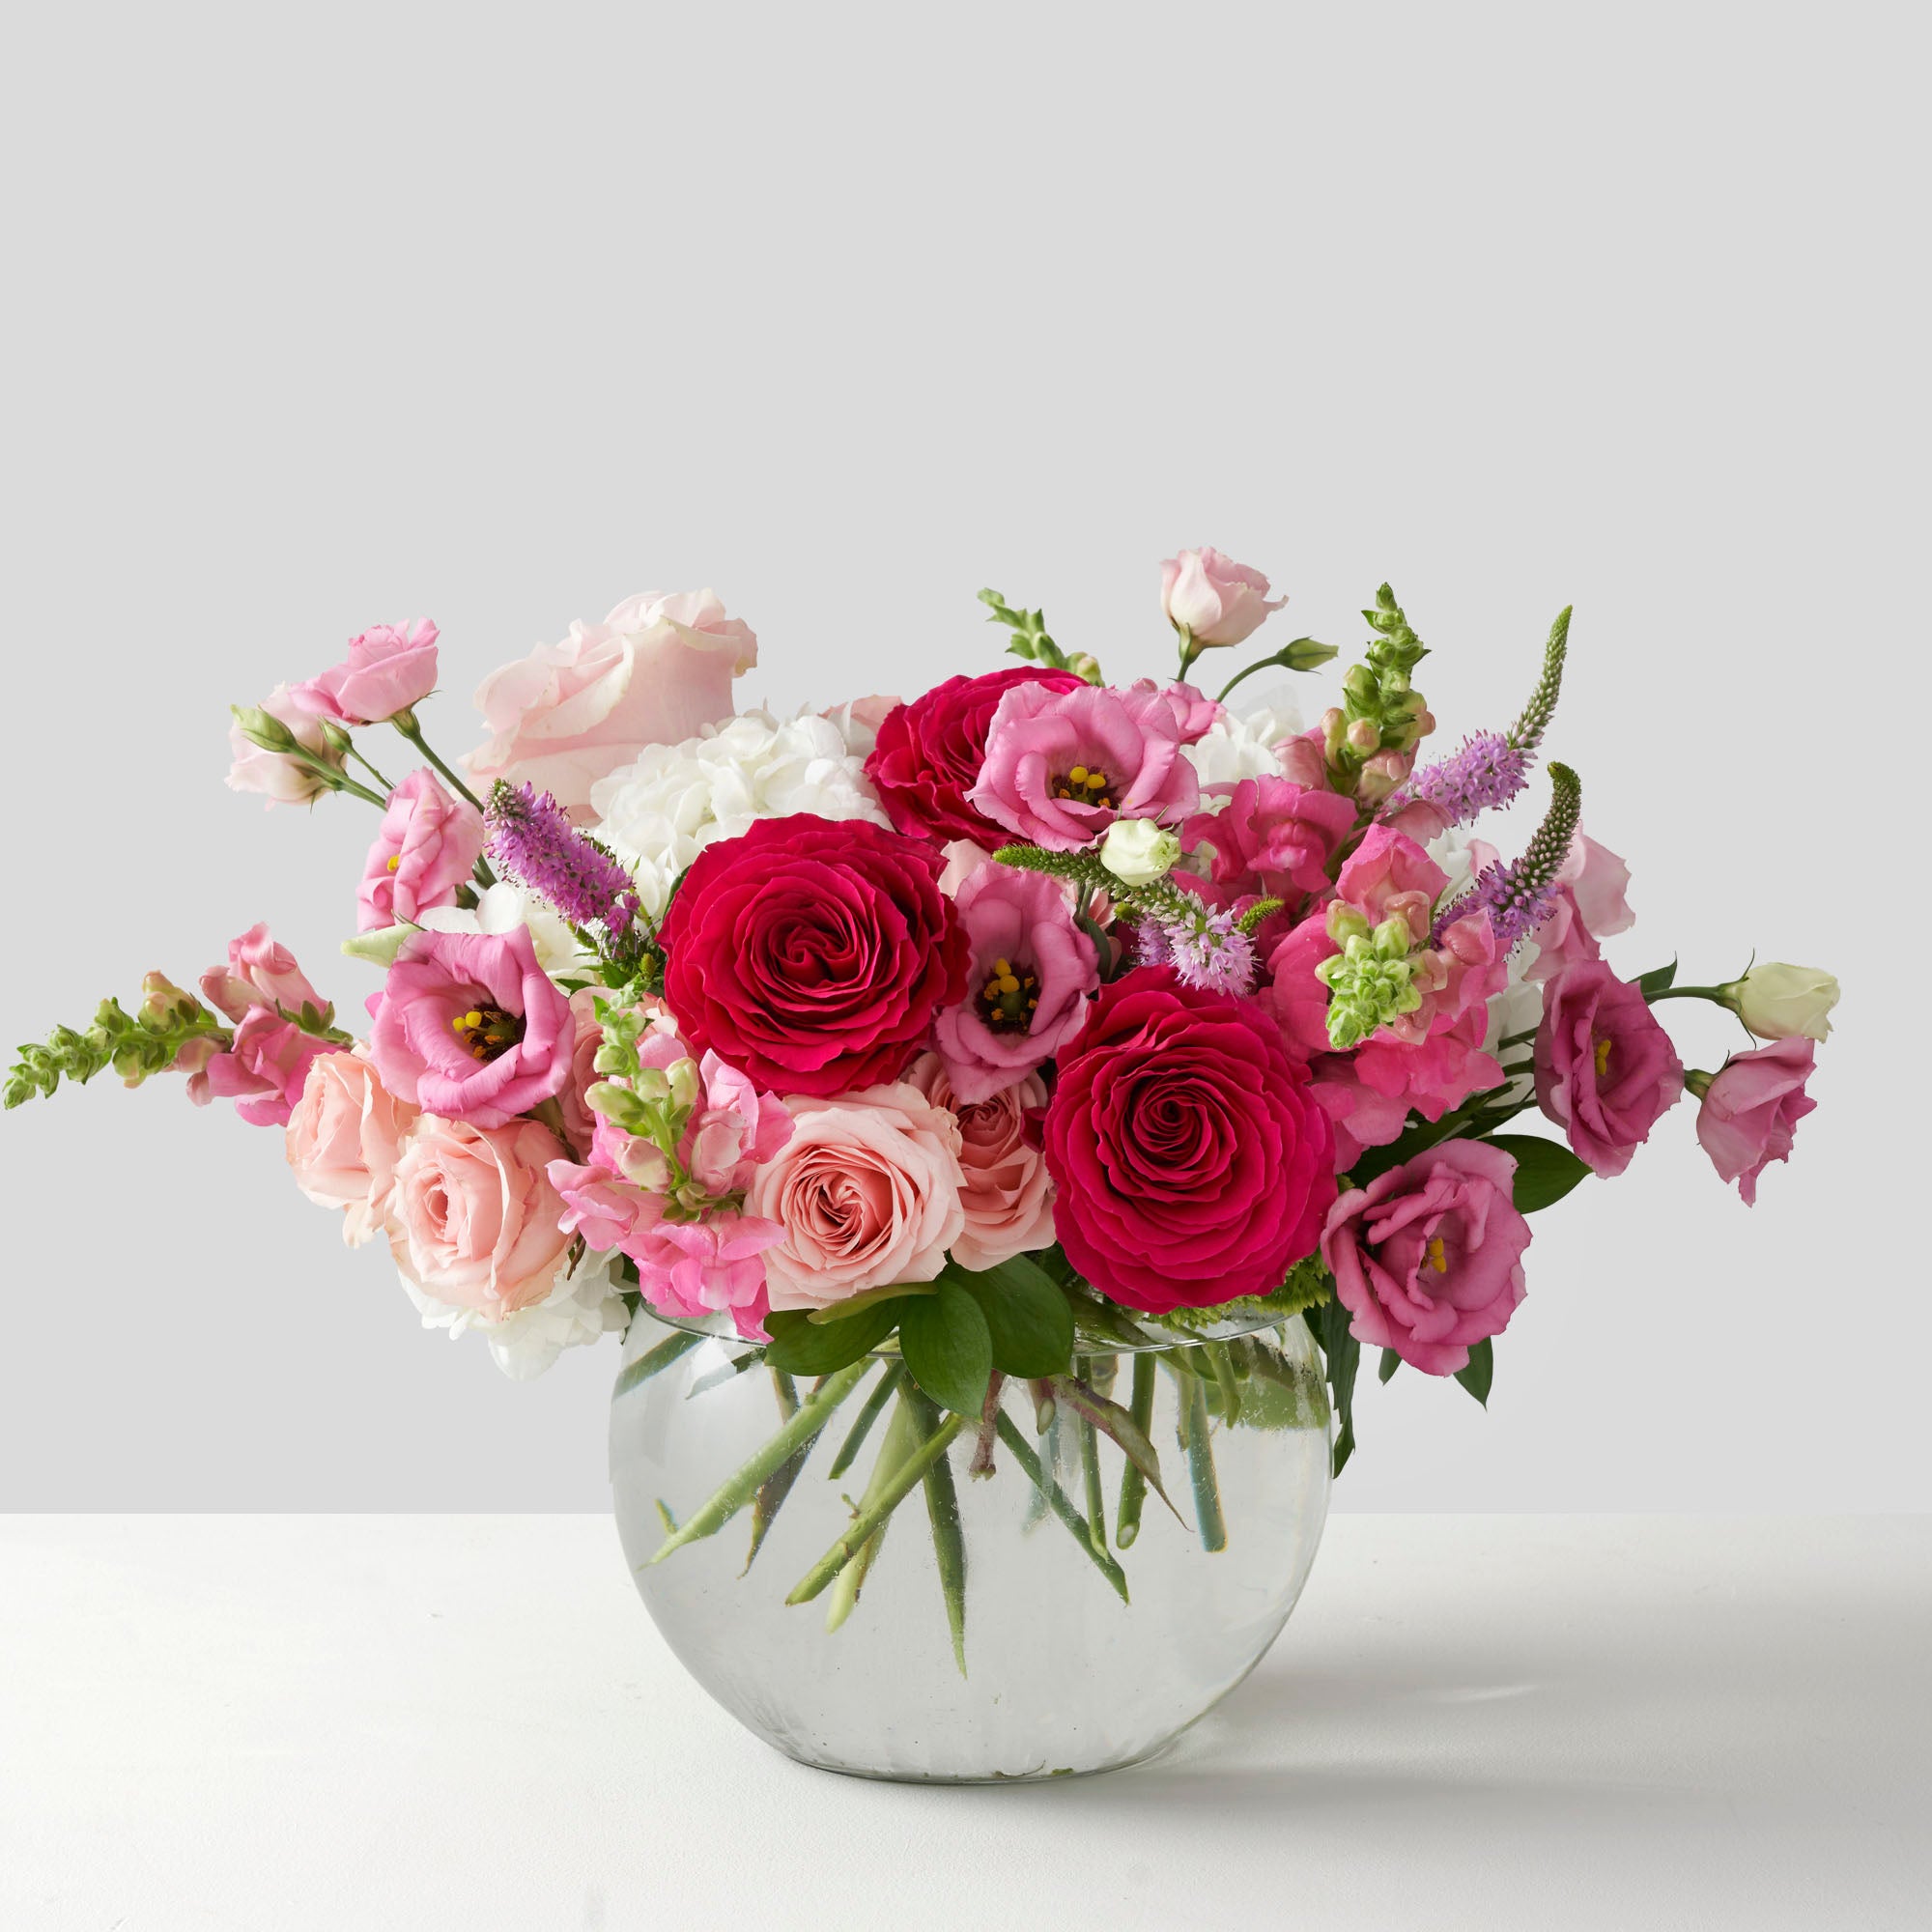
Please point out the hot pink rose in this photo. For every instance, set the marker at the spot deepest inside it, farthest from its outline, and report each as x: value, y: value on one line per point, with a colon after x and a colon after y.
x: 1605, y: 1069
x: 343, y: 1141
x: 1219, y: 601
x: 263, y: 1072
x: 1752, y: 1110
x: 280, y: 779
x: 656, y: 671
x: 1125, y: 745
x: 1191, y: 1162
x: 261, y: 971
x: 388, y: 669
x: 1589, y: 907
x: 929, y: 753
x: 1273, y: 837
x: 868, y: 1191
x: 474, y: 1221
x: 468, y: 1025
x: 1007, y: 1198
x: 1427, y: 1258
x: 428, y: 845
x: 1019, y: 929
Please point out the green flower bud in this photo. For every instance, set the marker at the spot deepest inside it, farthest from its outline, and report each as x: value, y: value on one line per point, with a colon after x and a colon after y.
x: 263, y: 728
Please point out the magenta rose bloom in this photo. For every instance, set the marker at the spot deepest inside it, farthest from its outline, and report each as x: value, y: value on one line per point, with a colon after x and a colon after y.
x: 1191, y: 1162
x: 426, y: 846
x: 468, y: 1026
x: 929, y: 752
x: 813, y: 956
x: 388, y: 669
x: 1427, y: 1258
x: 1752, y: 1110
x: 1125, y: 745
x: 1274, y: 836
x: 1605, y: 1069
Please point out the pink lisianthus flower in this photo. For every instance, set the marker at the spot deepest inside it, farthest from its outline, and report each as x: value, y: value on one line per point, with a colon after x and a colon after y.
x: 655, y: 671
x: 1605, y: 1071
x: 1272, y: 836
x: 1195, y: 711
x: 1007, y: 1196
x: 1427, y: 1258
x: 280, y: 779
x: 1126, y: 743
x: 425, y: 848
x: 1217, y: 600
x: 344, y: 1139
x: 261, y: 971
x: 1751, y: 1109
x: 1588, y: 905
x: 388, y: 669
x: 1019, y: 926
x: 263, y: 1072
x: 470, y: 1026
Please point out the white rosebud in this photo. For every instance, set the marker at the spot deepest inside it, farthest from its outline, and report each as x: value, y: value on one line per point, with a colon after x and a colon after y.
x: 1780, y: 1002
x: 1138, y: 851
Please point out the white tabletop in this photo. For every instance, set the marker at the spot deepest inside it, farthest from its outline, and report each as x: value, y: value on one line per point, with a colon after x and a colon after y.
x: 278, y: 1723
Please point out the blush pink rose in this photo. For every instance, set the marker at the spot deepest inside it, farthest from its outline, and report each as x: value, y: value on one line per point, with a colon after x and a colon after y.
x: 263, y: 1072
x: 1752, y: 1110
x: 1021, y: 921
x: 1273, y: 837
x: 1215, y: 598
x: 867, y: 1193
x: 474, y: 1221
x: 468, y: 1025
x: 280, y: 779
x: 1007, y: 1196
x: 388, y: 669
x: 655, y: 671
x: 261, y: 971
x: 1605, y: 1071
x: 427, y: 845
x: 1589, y: 905
x: 1126, y: 743
x: 343, y: 1140
x: 1427, y: 1258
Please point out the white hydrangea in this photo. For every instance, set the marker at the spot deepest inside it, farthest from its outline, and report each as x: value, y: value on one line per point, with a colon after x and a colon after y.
x: 503, y: 909
x: 1244, y: 747
x: 658, y: 813
x: 581, y: 1307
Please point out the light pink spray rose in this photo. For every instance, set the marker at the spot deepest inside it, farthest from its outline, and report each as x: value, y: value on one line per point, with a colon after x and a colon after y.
x: 343, y: 1141
x: 1427, y: 1258
x: 1605, y: 1071
x: 389, y: 668
x: 1752, y: 1110
x: 1020, y: 927
x: 1589, y: 905
x: 427, y: 845
x: 261, y: 971
x: 867, y: 1193
x: 1007, y: 1199
x: 472, y: 1219
x: 280, y: 779
x: 655, y: 671
x: 1212, y: 597
x: 1124, y: 743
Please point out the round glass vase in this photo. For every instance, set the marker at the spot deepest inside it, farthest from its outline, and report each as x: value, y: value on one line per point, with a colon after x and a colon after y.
x: 878, y: 1588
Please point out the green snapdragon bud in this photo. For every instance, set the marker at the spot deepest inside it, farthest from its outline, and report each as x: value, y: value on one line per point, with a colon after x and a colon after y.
x: 1371, y: 980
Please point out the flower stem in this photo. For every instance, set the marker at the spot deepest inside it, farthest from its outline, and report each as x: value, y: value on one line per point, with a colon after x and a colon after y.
x: 739, y: 1489
x: 336, y: 778
x: 1133, y: 1485
x: 775, y: 1486
x: 1090, y: 1467
x: 855, y: 1439
x: 949, y: 1539
x: 901, y: 1439
x: 654, y: 1362
x: 388, y: 784
x: 1193, y: 1393
x: 413, y: 731
x: 1057, y: 1501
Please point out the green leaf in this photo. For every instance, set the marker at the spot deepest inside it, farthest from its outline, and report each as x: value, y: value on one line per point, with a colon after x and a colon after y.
x: 1388, y: 1365
x: 800, y: 1347
x: 1546, y: 1170
x: 870, y: 1298
x: 1330, y: 1324
x: 1481, y: 1372
x: 1659, y: 980
x: 948, y: 1348
x: 1028, y: 1318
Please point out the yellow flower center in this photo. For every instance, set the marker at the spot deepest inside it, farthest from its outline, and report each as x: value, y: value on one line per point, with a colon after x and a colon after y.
x: 1010, y: 997
x: 1082, y: 786
x: 1602, y: 1058
x: 395, y: 861
x: 488, y: 1031
x: 1437, y: 1259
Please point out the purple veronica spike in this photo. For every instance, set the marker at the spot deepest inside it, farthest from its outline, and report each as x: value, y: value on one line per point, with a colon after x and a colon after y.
x: 532, y: 841
x: 1516, y: 905
x: 1487, y: 772
x: 1208, y: 952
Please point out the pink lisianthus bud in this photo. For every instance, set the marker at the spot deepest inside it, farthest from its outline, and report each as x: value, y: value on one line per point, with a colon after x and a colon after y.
x: 1214, y: 599
x: 281, y: 777
x: 389, y: 668
x: 1751, y: 1109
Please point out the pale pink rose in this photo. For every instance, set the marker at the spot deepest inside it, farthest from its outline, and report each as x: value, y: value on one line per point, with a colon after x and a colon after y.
x: 280, y: 779
x: 867, y: 1193
x: 263, y: 1072
x: 389, y: 668
x: 261, y: 971
x: 343, y: 1140
x: 1007, y: 1199
x: 1589, y: 907
x: 1212, y: 597
x: 1020, y: 921
x: 427, y: 845
x: 656, y: 671
x: 472, y: 1219
x: 1752, y: 1110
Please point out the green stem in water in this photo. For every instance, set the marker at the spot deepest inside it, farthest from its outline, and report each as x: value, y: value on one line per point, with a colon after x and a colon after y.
x: 739, y: 1489
x: 872, y: 1515
x: 1201, y: 1466
x: 1133, y: 1485
x: 654, y: 1362
x: 1089, y: 1468
x: 1057, y: 1500
x: 901, y: 1439
x: 855, y: 1439
x: 775, y: 1486
x: 948, y: 1538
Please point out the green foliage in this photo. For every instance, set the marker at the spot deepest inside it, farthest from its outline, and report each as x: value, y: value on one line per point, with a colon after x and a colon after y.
x: 1546, y: 1170
x: 802, y: 1346
x: 1343, y: 1354
x: 136, y: 1045
x: 1031, y: 641
x: 1028, y: 1318
x: 1481, y: 1371
x: 947, y: 1346
x: 1659, y: 980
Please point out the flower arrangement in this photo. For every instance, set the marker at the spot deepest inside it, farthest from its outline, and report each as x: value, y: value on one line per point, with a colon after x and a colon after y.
x: 962, y: 1029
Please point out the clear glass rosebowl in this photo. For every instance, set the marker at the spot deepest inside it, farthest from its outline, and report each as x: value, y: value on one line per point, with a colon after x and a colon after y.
x: 986, y: 1631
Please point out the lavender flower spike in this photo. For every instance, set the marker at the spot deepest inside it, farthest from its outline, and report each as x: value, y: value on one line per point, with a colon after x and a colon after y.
x: 1486, y: 773
x: 532, y: 841
x: 1520, y: 896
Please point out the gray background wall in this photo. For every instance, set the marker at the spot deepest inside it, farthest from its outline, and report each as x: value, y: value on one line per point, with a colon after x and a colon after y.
x: 319, y: 318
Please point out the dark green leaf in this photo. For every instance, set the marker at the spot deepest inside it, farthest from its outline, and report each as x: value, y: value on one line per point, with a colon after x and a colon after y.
x: 800, y: 1347
x: 1660, y: 980
x: 1388, y: 1365
x: 1481, y: 1372
x: 1029, y: 1320
x: 1330, y: 1324
x: 948, y: 1349
x: 1546, y: 1170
